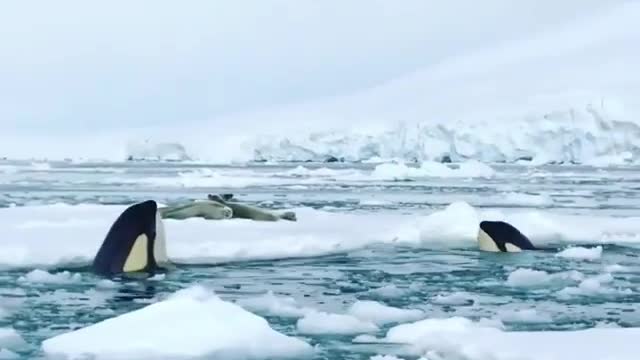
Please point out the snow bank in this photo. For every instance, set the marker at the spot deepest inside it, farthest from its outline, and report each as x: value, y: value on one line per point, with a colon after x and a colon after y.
x: 381, y: 314
x: 462, y: 338
x: 581, y: 253
x: 215, y: 328
x: 71, y: 234
x: 322, y: 323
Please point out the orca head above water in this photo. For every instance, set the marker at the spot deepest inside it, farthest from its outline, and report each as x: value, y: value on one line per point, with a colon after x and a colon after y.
x: 135, y: 243
x: 499, y: 236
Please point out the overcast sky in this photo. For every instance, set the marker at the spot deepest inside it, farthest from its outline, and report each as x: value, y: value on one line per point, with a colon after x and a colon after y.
x: 135, y: 63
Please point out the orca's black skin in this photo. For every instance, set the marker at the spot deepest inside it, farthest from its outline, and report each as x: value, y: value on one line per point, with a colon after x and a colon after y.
x: 136, y: 220
x: 502, y: 233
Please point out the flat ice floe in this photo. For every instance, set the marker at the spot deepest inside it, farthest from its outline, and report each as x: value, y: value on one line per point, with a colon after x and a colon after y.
x: 45, y: 236
x: 189, y: 324
x: 461, y: 338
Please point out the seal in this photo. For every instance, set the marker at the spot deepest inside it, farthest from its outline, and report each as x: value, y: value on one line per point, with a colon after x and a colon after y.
x: 242, y: 211
x: 206, y: 209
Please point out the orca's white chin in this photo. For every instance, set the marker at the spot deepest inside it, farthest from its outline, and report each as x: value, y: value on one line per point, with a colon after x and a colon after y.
x: 486, y: 243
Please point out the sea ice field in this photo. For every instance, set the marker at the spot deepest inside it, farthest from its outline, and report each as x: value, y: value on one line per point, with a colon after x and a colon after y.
x: 382, y: 263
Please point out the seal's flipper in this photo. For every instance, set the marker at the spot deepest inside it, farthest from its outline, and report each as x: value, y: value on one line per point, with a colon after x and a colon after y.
x: 135, y: 242
x: 499, y: 236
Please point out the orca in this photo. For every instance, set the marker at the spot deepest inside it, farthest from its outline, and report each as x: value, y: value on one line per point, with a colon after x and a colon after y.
x: 499, y: 236
x: 135, y: 243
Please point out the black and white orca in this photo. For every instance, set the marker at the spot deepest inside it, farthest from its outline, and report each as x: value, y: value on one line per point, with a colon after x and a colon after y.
x: 499, y: 236
x: 134, y: 244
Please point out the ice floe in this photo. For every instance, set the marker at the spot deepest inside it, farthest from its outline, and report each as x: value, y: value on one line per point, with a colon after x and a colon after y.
x: 214, y: 327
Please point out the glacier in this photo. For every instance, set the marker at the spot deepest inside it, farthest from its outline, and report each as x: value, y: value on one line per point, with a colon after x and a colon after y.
x: 563, y: 95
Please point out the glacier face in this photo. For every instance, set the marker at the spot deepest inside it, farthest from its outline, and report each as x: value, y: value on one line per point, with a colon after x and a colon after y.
x: 569, y: 94
x: 588, y: 136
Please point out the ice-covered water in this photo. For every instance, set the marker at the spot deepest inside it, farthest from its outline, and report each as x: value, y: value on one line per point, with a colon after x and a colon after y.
x: 375, y: 247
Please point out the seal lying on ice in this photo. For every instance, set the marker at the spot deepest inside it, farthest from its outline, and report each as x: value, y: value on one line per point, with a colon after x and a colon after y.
x: 242, y: 211
x: 207, y: 209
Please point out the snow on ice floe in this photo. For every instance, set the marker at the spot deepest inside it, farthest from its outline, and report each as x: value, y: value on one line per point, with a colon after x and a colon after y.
x: 322, y: 323
x: 381, y: 314
x: 214, y: 327
x: 524, y: 277
x: 45, y: 236
x: 461, y: 338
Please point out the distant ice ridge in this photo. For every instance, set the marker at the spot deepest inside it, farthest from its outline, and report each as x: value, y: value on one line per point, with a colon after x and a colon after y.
x: 151, y: 151
x: 191, y: 323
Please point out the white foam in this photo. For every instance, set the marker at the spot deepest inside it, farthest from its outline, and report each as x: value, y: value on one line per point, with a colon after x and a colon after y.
x: 43, y: 277
x: 215, y: 328
x: 381, y: 314
x: 322, y: 323
x: 581, y: 253
x: 462, y: 338
x: 271, y: 305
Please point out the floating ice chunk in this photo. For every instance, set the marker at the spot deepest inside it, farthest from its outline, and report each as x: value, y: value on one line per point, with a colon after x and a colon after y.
x: 8, y: 355
x: 384, y: 357
x: 531, y: 316
x: 389, y: 291
x: 271, y: 305
x: 581, y: 253
x: 528, y: 278
x: 44, y: 277
x: 460, y: 338
x: 10, y: 339
x: 534, y: 278
x: 319, y: 323
x: 191, y: 323
x: 595, y: 285
x: 381, y: 314
x: 613, y: 268
x: 456, y: 298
